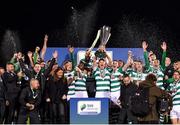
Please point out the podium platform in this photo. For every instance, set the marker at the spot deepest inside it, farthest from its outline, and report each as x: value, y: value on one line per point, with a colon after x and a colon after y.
x: 89, y: 111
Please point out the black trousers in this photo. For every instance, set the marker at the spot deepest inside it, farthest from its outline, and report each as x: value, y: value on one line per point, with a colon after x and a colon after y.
x: 148, y: 122
x: 127, y: 117
x: 91, y: 87
x: 10, y: 110
x: 24, y: 114
x: 2, y: 110
x: 114, y: 111
x: 68, y: 112
x: 42, y: 111
x: 58, y: 112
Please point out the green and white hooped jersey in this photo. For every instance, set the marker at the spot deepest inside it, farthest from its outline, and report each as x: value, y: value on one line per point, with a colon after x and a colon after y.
x: 129, y: 71
x: 138, y: 76
x: 89, y: 64
x: 159, y: 74
x: 102, y: 78
x: 80, y: 84
x: 71, y: 86
x: 175, y: 88
x: 115, y: 82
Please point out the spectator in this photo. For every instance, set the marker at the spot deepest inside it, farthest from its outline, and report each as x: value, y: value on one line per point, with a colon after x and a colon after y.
x: 2, y: 96
x: 56, y: 95
x: 128, y: 89
x: 30, y: 99
x: 12, y: 90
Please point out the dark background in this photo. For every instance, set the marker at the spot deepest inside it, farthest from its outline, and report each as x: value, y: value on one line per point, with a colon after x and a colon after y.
x: 131, y: 22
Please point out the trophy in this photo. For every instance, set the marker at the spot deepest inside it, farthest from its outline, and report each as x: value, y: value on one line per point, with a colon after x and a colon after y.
x: 104, y: 37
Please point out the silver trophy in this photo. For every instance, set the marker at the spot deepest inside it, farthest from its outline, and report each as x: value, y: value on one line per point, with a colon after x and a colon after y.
x: 105, y: 35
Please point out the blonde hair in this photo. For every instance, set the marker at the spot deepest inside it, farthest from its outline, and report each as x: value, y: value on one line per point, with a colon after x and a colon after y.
x: 33, y: 79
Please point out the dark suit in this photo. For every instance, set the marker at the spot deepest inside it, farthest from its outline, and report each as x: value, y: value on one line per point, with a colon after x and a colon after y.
x: 2, y: 100
x: 11, y: 95
x: 33, y: 97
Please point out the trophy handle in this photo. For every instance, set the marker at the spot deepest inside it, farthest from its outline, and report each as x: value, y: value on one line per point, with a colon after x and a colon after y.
x: 95, y: 41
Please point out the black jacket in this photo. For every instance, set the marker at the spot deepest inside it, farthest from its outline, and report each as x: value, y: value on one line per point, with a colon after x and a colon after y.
x: 27, y: 96
x: 126, y: 93
x: 2, y: 89
x: 56, y: 89
x: 169, y: 71
x: 10, y: 82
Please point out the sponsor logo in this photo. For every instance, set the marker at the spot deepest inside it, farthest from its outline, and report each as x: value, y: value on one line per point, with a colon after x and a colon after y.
x: 89, y: 107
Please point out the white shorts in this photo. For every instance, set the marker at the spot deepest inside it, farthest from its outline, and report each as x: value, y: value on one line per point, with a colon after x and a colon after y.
x: 102, y: 95
x: 81, y: 94
x: 175, y: 112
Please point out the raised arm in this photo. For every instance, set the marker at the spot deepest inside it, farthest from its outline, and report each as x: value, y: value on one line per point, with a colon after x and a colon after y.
x: 164, y: 48
x: 30, y: 54
x: 129, y: 62
x: 48, y: 70
x: 71, y: 52
x: 109, y: 60
x: 36, y: 55
x: 24, y: 68
x: 79, y: 72
x: 43, y: 51
x: 14, y: 62
x: 13, y: 59
x: 144, y: 46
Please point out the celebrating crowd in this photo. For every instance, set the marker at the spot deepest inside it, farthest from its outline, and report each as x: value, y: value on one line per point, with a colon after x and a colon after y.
x: 39, y: 91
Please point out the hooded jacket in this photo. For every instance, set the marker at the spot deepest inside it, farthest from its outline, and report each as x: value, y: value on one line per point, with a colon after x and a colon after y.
x: 154, y: 94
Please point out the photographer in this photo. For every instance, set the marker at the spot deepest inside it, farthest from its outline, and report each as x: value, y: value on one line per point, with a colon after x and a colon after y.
x: 155, y: 94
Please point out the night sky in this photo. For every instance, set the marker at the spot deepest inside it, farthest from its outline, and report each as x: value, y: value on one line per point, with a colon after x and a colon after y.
x: 131, y: 22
